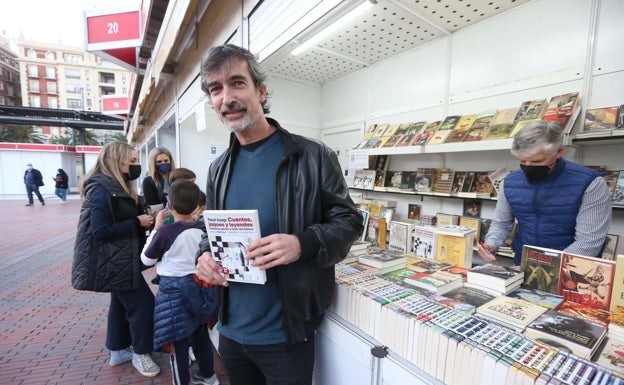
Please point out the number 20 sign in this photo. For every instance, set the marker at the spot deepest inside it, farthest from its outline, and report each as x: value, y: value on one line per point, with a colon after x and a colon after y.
x: 122, y: 29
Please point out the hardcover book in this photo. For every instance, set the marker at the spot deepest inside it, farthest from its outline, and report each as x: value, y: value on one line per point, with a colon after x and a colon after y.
x: 604, y: 118
x: 494, y: 276
x: 475, y: 134
x: 505, y: 116
x: 454, y: 245
x: 617, y: 293
x: 424, y: 241
x: 449, y: 123
x: 439, y: 136
x: 472, y: 223
x: 377, y: 227
x: 364, y: 179
x: 599, y: 316
x: 400, y: 236
x: 438, y: 282
x: 561, y: 108
x: 611, y: 356
x: 531, y: 109
x: 542, y: 298
x: 618, y: 192
x: 586, y: 280
x: 484, y: 119
x: 511, y: 312
x: 541, y: 268
x: 472, y: 208
x: 567, y: 332
x: 443, y: 181
x: 519, y: 125
x: 424, y: 180
x: 413, y: 211
x: 499, y: 131
x: 497, y: 177
x: 464, y: 298
x: 611, y: 242
x: 229, y: 233
x: 383, y: 259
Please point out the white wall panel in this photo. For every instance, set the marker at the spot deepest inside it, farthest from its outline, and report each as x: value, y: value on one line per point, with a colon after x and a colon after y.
x: 609, y: 52
x: 541, y: 42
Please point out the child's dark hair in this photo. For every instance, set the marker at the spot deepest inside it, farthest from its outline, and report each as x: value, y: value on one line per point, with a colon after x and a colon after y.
x: 183, y: 196
x: 181, y: 173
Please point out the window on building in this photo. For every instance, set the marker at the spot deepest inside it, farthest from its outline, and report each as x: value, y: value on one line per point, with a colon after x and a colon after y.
x: 89, y: 103
x: 72, y: 88
x: 2, y: 101
x: 1, y: 85
x: 72, y: 73
x: 124, y: 77
x: 51, y: 87
x: 33, y: 71
x: 74, y: 103
x: 124, y: 91
x: 106, y: 77
x: 10, y: 91
x: 50, y: 73
x: 88, y: 74
x: 52, y: 102
x: 32, y: 54
x: 49, y: 56
x: 33, y: 85
x: 35, y: 101
x: 73, y: 59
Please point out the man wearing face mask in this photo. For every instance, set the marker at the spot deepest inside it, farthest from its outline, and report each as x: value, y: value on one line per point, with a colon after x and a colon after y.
x: 558, y: 204
x: 33, y: 180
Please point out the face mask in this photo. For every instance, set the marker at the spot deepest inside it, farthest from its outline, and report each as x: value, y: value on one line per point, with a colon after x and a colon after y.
x: 134, y: 171
x: 163, y: 168
x: 535, y: 173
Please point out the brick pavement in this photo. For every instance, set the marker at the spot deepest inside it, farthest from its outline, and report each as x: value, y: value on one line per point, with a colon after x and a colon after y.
x: 51, y: 333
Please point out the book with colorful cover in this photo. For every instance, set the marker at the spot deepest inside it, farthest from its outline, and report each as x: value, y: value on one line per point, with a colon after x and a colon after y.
x: 377, y: 228
x: 413, y: 211
x: 562, y: 109
x: 586, y: 280
x: 617, y: 199
x: 611, y: 356
x: 475, y: 134
x: 463, y: 298
x: 497, y: 177
x: 494, y: 275
x: 439, y: 137
x: 454, y: 245
x: 425, y: 265
x: 364, y: 179
x: 383, y: 259
x: 519, y: 125
x: 472, y: 223
x: 511, y: 312
x: 542, y: 298
x: 617, y: 293
x: 449, y: 123
x: 567, y: 332
x: 424, y: 180
x: 499, y: 131
x: 443, y: 181
x: 438, y: 282
x: 598, y: 316
x: 541, y: 268
x: 400, y: 236
x: 424, y: 241
x: 229, y: 233
x: 505, y: 116
x: 604, y: 118
x: 531, y: 109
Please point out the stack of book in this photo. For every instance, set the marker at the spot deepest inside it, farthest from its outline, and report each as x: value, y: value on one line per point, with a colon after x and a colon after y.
x: 510, y: 312
x: 454, y: 245
x: 542, y: 298
x: 565, y: 331
x: 438, y: 282
x: 384, y: 261
x: 494, y: 279
x: 464, y: 298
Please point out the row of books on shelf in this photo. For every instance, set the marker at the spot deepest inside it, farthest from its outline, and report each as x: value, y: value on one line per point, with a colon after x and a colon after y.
x: 494, y: 124
x: 394, y: 308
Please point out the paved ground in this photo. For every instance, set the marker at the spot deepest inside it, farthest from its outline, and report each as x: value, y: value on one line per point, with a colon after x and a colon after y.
x: 51, y: 333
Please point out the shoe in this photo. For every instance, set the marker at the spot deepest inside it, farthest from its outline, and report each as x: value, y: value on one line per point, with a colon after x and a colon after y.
x: 118, y: 357
x: 198, y: 379
x: 42, y: 203
x: 29, y: 204
x: 145, y: 365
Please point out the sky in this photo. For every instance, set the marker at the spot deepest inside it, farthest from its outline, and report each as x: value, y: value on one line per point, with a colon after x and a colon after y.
x: 53, y: 21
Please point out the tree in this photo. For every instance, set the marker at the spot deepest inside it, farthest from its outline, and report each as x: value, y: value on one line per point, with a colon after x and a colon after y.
x: 20, y: 134
x: 63, y: 139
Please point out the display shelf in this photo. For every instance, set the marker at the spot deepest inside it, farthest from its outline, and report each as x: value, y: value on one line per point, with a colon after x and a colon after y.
x: 421, y: 194
x: 482, y: 145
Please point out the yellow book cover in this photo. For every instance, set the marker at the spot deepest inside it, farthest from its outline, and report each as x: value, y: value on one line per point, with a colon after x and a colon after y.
x: 454, y: 245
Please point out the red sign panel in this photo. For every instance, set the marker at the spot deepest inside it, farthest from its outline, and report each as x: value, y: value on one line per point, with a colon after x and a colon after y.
x: 115, y: 104
x: 113, y: 27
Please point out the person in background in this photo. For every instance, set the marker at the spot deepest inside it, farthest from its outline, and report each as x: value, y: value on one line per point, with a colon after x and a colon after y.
x: 156, y: 184
x: 107, y: 254
x: 33, y: 180
x: 183, y: 305
x: 61, y: 185
x: 558, y: 204
x: 185, y: 173
x: 307, y: 219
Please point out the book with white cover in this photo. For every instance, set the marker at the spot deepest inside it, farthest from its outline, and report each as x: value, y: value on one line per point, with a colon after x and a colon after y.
x: 230, y: 232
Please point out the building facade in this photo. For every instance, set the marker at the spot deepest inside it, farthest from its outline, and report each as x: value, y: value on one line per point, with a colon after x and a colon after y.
x: 64, y: 77
x: 10, y: 86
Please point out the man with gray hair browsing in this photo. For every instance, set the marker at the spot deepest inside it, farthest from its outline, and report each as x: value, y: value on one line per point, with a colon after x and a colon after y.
x: 558, y: 204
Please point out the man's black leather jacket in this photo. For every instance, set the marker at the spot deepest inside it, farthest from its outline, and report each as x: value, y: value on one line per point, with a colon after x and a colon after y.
x: 312, y: 203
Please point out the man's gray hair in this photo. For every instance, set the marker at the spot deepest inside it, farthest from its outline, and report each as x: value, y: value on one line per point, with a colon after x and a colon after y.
x: 538, y: 136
